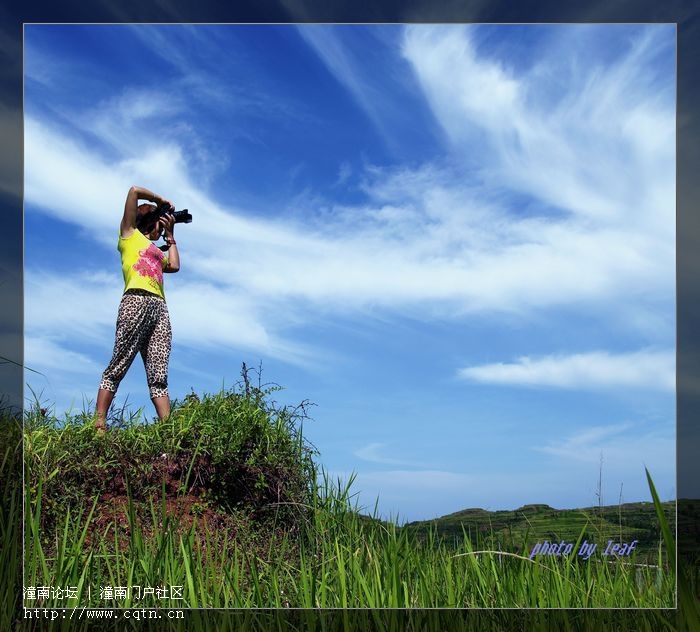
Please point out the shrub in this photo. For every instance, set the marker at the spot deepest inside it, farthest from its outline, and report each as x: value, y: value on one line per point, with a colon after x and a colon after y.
x: 235, y: 451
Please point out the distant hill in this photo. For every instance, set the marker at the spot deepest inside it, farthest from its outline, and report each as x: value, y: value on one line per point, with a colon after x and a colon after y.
x: 519, y: 529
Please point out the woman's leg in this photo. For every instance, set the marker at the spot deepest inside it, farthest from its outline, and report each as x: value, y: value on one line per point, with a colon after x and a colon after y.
x: 156, y: 356
x: 130, y: 332
x: 162, y: 405
x: 104, y: 400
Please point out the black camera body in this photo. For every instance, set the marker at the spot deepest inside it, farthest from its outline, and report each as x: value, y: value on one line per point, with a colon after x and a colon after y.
x: 181, y: 217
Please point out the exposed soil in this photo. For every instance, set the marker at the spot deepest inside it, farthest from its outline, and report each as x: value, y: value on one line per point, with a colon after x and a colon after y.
x: 160, y: 500
x: 167, y: 501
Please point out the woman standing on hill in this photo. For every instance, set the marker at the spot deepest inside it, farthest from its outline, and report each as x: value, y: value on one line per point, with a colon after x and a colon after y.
x: 143, y: 323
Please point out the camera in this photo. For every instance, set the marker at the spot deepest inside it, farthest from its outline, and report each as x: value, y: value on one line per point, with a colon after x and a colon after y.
x: 181, y: 217
x: 147, y: 221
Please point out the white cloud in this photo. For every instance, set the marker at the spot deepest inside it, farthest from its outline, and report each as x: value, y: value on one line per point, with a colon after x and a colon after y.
x: 602, y: 150
x: 427, y: 243
x: 56, y: 373
x: 69, y: 179
x: 430, y: 240
x: 473, y: 89
x: 83, y: 306
x: 593, y: 370
x: 45, y: 354
x: 340, y: 63
x: 586, y: 444
x: 376, y: 453
x: 203, y: 315
x: 206, y: 316
x: 624, y: 447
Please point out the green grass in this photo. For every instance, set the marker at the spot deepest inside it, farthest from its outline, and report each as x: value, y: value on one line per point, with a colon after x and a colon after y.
x: 10, y: 518
x: 237, y: 514
x: 340, y: 560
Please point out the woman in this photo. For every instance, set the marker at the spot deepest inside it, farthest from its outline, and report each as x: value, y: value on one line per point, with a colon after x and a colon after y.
x: 143, y: 323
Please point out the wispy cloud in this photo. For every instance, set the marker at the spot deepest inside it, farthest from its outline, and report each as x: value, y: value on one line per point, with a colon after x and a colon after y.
x: 343, y: 66
x: 58, y: 305
x: 433, y: 239
x: 42, y: 353
x: 377, y: 453
x: 619, y: 445
x: 55, y: 161
x: 366, y: 63
x: 604, y: 150
x: 206, y: 316
x: 584, y: 371
x: 54, y: 368
x: 423, y: 243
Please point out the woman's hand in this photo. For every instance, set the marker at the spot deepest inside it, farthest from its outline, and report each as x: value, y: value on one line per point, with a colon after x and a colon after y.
x: 168, y: 224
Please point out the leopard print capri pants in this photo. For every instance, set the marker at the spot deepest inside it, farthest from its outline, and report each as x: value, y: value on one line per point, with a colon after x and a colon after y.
x: 143, y: 325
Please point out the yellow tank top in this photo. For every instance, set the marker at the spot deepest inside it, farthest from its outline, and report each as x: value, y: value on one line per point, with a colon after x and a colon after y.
x: 142, y: 263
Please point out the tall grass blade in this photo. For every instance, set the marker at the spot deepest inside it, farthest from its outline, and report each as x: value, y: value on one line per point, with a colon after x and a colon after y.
x: 688, y: 602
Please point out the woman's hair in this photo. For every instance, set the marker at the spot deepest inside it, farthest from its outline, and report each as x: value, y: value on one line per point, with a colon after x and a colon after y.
x: 144, y: 219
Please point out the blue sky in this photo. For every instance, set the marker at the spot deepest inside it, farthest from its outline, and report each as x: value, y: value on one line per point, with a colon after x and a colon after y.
x: 458, y: 241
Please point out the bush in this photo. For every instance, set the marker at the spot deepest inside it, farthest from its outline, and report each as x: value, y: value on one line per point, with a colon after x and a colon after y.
x: 234, y: 451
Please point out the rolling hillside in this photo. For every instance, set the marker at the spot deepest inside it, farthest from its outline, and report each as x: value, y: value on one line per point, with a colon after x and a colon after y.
x: 520, y: 529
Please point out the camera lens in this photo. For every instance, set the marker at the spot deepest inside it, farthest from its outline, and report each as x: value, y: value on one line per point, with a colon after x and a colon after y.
x: 182, y: 217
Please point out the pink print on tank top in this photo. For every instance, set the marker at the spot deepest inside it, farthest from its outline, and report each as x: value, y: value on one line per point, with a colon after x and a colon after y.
x: 150, y: 263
